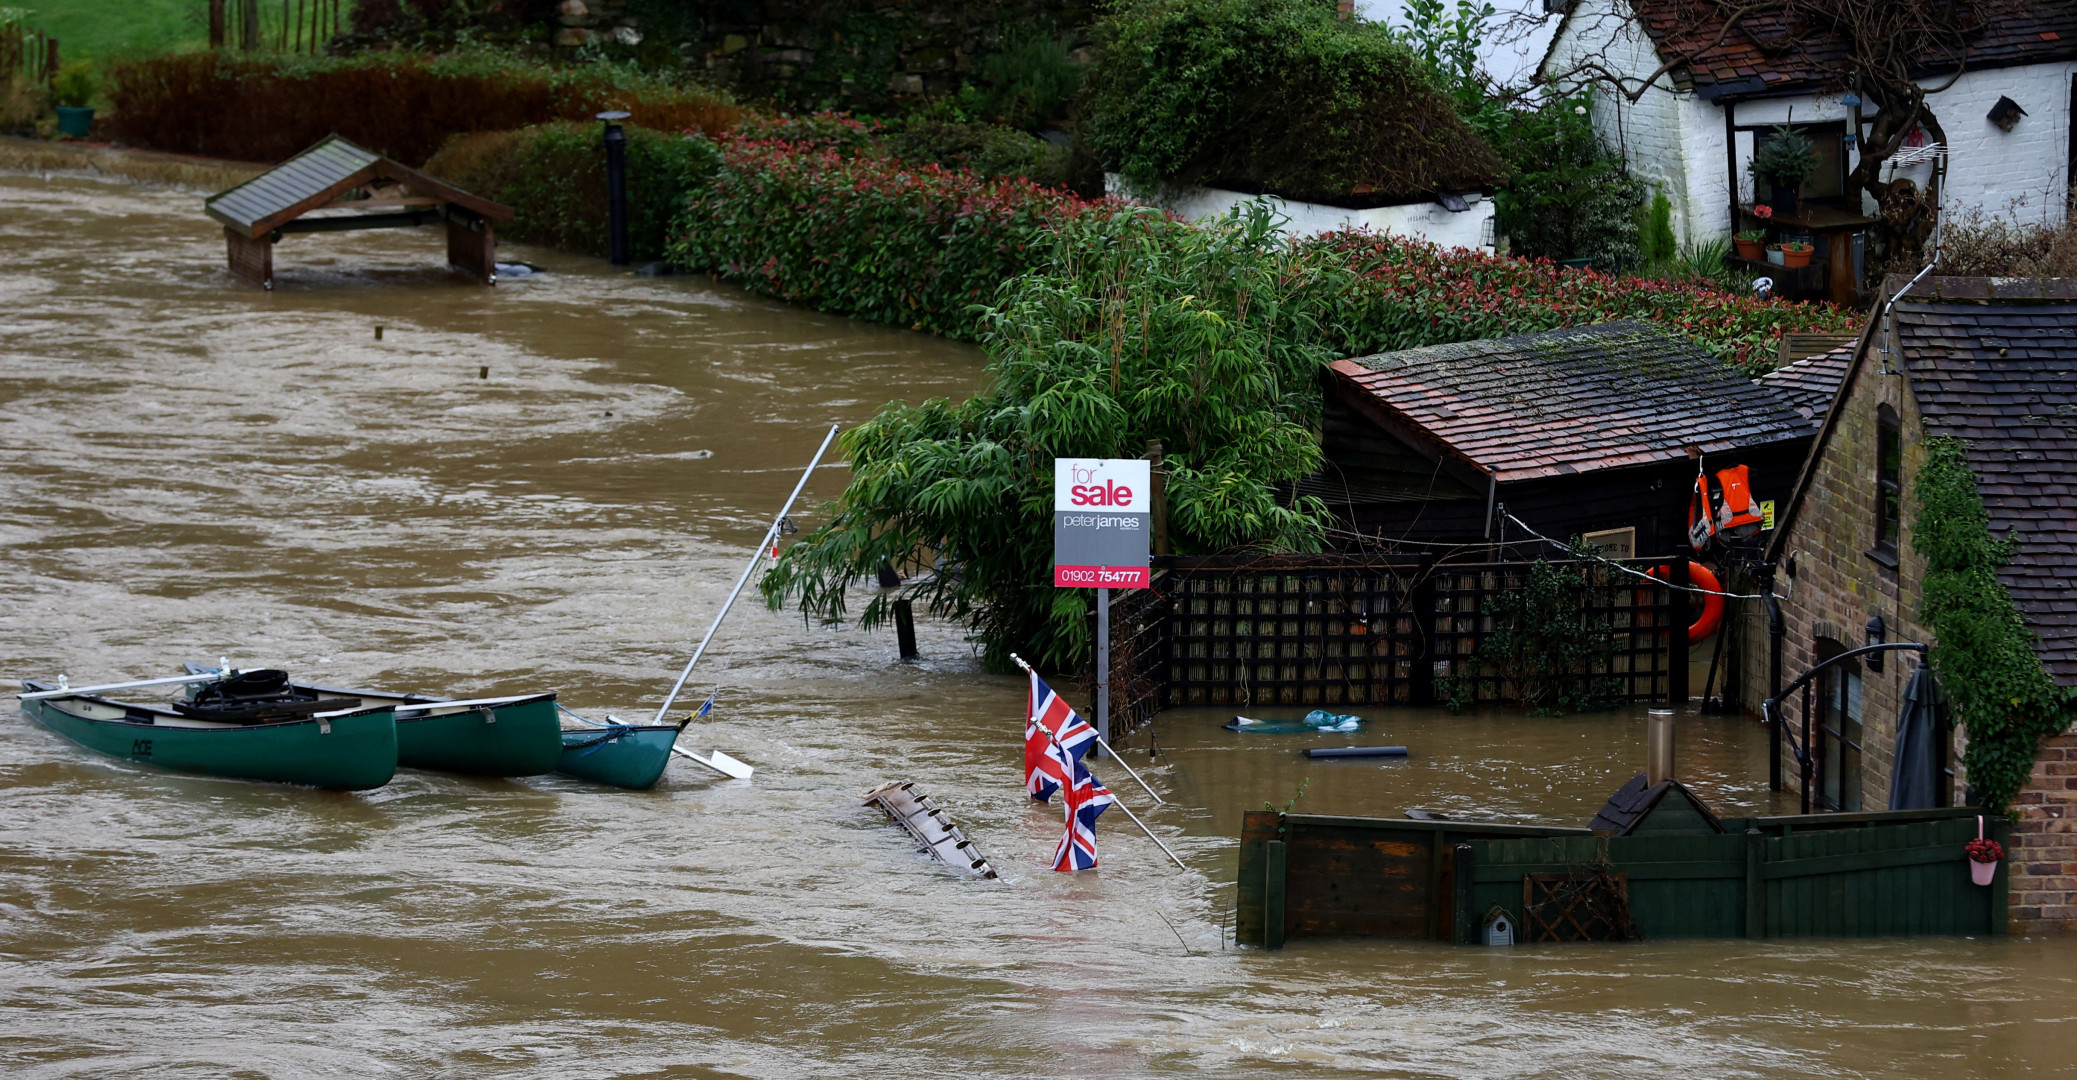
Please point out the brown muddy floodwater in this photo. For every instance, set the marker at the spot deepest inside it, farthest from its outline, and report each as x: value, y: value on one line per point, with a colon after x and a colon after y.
x: 190, y: 468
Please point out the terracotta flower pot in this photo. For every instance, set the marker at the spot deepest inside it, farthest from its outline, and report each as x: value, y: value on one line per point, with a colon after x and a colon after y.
x: 1797, y: 256
x: 1982, y: 872
x: 1750, y: 249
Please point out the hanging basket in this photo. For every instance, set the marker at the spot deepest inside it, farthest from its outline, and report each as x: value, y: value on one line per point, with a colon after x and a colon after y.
x: 1984, y: 856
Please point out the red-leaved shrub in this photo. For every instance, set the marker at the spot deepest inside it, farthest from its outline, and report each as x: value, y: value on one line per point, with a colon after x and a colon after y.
x: 1414, y: 293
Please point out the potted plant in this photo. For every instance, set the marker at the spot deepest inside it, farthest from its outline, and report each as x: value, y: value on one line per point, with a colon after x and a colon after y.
x: 1784, y: 160
x: 72, y: 89
x: 1984, y: 856
x: 1795, y: 253
x: 1750, y: 242
x: 1775, y: 256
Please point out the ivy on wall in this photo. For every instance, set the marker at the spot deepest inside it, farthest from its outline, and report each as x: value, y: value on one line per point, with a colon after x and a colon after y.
x: 1983, y: 652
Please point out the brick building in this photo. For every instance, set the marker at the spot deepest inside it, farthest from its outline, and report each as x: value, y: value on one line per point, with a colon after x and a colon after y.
x: 1994, y: 363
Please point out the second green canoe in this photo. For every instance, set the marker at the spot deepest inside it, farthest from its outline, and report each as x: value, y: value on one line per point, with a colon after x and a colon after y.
x: 511, y: 736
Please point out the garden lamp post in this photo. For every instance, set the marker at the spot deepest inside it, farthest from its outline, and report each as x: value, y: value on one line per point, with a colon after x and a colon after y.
x: 616, y: 187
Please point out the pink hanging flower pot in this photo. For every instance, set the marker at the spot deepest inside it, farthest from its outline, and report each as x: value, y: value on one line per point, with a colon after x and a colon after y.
x: 1984, y: 856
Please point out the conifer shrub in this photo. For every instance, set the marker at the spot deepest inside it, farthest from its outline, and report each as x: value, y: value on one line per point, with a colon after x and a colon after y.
x: 1281, y: 96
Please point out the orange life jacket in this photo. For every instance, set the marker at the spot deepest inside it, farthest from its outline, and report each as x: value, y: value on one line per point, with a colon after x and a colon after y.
x: 1725, y: 509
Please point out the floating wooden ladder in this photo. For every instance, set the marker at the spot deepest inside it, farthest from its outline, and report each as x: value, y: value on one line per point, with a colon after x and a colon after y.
x: 930, y: 827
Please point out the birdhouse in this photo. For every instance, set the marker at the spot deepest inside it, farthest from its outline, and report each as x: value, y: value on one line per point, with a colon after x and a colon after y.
x: 2006, y: 113
x: 1498, y: 927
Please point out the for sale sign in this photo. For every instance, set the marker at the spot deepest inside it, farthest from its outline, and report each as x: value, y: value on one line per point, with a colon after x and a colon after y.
x: 1102, y: 518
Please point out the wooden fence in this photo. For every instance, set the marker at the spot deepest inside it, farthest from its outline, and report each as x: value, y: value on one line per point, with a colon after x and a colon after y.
x: 27, y: 54
x: 1354, y: 631
x: 1820, y: 875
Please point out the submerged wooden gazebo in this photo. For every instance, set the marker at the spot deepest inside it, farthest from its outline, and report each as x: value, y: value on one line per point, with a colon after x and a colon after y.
x: 336, y: 175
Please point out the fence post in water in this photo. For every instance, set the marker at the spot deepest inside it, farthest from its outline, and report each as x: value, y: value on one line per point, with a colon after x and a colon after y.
x: 905, y: 628
x: 1273, y: 895
x: 1463, y: 927
x: 1755, y: 883
x: 616, y: 187
x: 1677, y: 636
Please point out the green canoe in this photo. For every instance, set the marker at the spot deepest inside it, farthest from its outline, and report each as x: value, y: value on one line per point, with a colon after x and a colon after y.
x: 345, y: 751
x: 509, y: 736
x: 623, y: 755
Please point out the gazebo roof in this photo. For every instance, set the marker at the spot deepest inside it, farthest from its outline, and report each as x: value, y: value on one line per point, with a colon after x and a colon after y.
x: 317, y: 177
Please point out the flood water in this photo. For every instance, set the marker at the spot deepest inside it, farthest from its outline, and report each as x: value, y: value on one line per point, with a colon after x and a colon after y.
x: 190, y: 468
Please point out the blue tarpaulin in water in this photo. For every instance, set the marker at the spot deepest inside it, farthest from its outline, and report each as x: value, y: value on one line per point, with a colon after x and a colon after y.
x: 1316, y: 720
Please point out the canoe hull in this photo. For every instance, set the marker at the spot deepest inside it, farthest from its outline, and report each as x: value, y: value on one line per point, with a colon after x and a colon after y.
x: 628, y: 756
x: 358, y: 752
x: 519, y: 739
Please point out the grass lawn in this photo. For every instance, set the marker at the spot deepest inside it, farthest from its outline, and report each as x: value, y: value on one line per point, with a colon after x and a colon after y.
x: 99, y: 29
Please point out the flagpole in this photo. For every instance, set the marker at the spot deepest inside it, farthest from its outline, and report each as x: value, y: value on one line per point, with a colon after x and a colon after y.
x: 1155, y: 795
x: 1120, y: 804
x: 770, y: 534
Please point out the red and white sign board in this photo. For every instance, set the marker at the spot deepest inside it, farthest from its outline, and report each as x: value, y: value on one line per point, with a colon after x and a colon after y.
x: 1103, y: 517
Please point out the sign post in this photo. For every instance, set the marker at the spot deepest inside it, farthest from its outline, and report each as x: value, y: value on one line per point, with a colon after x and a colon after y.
x: 1102, y: 519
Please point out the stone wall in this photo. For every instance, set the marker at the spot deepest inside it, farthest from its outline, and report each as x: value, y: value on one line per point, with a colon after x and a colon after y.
x: 1838, y: 587
x: 846, y: 54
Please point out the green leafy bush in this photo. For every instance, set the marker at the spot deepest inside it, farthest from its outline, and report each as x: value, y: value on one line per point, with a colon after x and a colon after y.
x: 1567, y: 196
x: 1273, y: 95
x: 1028, y: 81
x: 1982, y: 651
x: 74, y: 85
x: 554, y: 178
x: 1545, y: 649
x: 917, y: 246
x: 1133, y: 327
x: 402, y: 105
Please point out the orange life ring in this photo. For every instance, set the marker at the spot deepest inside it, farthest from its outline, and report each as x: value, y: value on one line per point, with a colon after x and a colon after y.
x: 1712, y: 617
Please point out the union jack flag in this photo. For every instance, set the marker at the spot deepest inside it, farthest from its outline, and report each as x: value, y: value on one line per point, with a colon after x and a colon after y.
x: 1082, y: 802
x: 1049, y: 721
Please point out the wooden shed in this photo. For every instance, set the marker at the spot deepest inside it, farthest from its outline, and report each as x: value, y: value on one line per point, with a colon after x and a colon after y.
x: 1584, y: 430
x: 336, y: 186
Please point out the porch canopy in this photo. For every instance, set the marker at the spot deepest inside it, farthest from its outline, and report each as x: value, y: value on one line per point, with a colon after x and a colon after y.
x: 357, y: 189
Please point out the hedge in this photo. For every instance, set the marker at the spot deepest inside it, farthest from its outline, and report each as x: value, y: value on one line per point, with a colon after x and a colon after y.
x: 554, y: 178
x: 404, y: 106
x: 916, y: 246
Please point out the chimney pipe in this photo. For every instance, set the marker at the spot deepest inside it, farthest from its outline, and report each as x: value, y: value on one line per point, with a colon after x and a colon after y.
x: 1658, y: 766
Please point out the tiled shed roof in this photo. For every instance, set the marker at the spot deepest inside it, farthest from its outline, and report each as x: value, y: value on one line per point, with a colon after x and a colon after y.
x: 1808, y: 385
x: 1574, y: 400
x: 1770, y: 51
x: 2001, y: 373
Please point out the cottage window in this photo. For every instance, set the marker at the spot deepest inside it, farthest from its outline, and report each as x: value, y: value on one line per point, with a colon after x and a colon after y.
x: 1838, y: 745
x: 1828, y: 183
x: 1889, y: 484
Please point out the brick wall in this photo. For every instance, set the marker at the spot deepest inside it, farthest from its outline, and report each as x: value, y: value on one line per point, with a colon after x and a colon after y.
x: 2042, y: 863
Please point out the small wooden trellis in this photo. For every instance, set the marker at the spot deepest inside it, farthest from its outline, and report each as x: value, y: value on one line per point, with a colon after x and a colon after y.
x: 1577, y: 907
x: 1356, y: 631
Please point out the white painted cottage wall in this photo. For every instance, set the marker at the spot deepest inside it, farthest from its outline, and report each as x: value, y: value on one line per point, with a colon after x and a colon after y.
x: 1676, y: 140
x: 1469, y: 228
